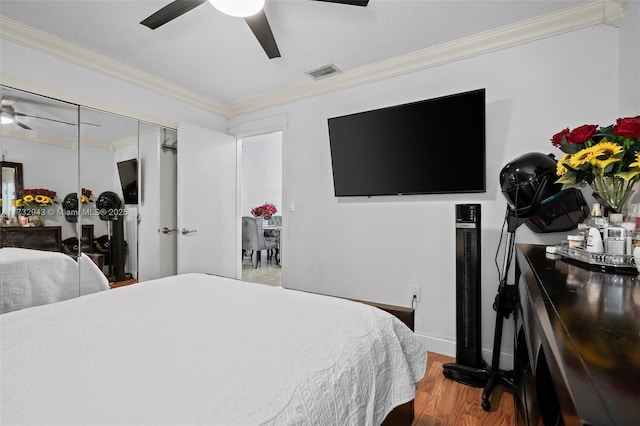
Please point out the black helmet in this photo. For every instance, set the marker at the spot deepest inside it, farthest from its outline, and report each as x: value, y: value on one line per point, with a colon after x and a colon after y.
x: 528, y: 180
x: 108, y: 205
x: 70, y: 207
x: 528, y: 184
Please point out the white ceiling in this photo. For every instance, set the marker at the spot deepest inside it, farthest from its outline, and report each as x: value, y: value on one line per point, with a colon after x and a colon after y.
x: 217, y: 56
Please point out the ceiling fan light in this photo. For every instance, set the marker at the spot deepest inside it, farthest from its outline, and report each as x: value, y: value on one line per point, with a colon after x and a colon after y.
x: 238, y: 8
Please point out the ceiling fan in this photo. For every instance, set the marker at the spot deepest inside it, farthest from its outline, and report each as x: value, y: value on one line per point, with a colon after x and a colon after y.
x: 10, y: 115
x: 251, y: 10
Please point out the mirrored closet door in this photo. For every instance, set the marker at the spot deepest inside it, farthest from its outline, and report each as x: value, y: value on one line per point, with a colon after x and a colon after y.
x: 39, y: 143
x: 88, y: 191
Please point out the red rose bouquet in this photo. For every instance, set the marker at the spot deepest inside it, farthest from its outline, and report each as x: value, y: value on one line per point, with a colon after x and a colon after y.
x: 605, y: 158
x: 266, y: 210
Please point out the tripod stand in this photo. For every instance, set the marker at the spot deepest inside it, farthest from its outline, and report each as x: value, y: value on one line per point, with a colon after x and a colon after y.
x: 491, y: 376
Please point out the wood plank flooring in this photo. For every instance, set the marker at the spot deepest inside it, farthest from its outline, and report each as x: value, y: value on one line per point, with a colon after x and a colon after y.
x: 444, y: 402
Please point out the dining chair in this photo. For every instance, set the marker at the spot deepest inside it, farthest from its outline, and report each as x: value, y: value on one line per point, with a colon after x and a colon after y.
x: 253, y: 238
x: 274, y: 236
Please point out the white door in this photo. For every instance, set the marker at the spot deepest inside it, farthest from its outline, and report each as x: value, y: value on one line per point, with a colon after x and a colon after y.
x: 207, y: 202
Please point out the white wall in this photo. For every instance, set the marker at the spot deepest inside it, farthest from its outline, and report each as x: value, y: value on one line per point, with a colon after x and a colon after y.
x: 629, y: 87
x: 262, y: 171
x: 375, y: 249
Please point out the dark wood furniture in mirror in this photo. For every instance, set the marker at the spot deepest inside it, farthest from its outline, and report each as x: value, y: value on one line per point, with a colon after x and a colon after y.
x: 47, y: 238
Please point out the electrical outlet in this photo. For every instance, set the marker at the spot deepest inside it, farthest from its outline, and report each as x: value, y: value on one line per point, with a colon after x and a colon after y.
x: 415, y: 293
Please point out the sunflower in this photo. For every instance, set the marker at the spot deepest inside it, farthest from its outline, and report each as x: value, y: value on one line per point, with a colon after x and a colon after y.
x: 636, y: 164
x: 41, y: 199
x: 28, y: 198
x: 582, y: 157
x: 561, y: 170
x: 605, y: 153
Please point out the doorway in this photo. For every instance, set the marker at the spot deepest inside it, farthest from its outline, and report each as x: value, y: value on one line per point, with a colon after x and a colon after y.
x: 261, y: 183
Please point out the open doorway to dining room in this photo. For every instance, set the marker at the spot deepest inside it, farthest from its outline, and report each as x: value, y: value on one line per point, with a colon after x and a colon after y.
x: 261, y: 189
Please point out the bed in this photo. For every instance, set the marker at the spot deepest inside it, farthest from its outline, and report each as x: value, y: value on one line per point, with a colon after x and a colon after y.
x: 37, y: 277
x: 200, y: 349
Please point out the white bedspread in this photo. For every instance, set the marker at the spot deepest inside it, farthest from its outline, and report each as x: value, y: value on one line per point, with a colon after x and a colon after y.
x: 36, y: 277
x: 199, y: 349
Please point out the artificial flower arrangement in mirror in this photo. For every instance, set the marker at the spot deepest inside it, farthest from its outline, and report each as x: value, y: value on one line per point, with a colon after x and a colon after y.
x: 605, y: 158
x: 31, y: 204
x: 85, y: 196
x: 266, y: 210
x: 34, y: 199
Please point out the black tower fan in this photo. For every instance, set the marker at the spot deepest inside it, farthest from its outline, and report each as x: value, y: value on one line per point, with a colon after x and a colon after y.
x: 533, y: 198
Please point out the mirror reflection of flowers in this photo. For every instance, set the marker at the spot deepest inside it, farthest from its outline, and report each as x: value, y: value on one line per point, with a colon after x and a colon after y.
x: 605, y: 158
x: 85, y: 197
x: 266, y: 210
x: 34, y: 198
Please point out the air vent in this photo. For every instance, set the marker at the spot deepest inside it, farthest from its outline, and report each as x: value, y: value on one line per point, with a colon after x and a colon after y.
x: 324, y: 71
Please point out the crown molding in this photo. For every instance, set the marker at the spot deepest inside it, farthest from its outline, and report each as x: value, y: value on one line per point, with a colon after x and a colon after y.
x: 30, y: 136
x: 609, y: 12
x: 128, y: 141
x: 44, y: 42
x: 614, y: 11
x: 570, y: 19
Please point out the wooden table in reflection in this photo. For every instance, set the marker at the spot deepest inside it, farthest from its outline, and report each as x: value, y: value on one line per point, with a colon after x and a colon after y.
x: 577, y: 355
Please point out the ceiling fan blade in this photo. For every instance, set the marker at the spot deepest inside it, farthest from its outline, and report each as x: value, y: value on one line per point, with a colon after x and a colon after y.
x: 54, y: 120
x: 362, y: 3
x: 170, y: 12
x: 261, y: 29
x: 24, y: 126
x: 44, y: 118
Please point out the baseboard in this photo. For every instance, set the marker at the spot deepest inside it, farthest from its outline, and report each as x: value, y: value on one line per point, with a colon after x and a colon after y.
x: 448, y: 348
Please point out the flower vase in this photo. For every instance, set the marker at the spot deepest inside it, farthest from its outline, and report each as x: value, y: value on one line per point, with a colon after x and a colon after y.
x: 35, y: 219
x: 613, y: 193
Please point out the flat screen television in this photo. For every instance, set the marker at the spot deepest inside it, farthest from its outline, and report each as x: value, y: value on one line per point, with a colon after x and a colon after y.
x: 128, y: 171
x: 434, y: 146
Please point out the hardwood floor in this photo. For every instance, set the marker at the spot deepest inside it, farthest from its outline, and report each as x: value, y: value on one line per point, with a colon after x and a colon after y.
x: 444, y: 402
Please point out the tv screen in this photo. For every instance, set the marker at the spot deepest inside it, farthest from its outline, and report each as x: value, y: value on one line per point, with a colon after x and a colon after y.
x: 435, y: 146
x: 128, y: 171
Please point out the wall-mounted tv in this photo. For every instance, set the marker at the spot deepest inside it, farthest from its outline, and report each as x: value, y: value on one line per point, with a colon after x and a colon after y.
x: 434, y: 146
x: 128, y: 171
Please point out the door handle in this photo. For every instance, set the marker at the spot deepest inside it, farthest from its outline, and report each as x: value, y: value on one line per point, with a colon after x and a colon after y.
x: 166, y: 230
x: 188, y: 231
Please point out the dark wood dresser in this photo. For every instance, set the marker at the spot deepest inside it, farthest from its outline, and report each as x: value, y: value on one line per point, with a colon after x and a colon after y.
x: 577, y: 343
x: 38, y: 238
x: 42, y: 238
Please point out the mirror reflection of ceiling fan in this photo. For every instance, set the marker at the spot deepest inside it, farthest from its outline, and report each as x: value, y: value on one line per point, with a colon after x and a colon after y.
x: 251, y: 10
x: 10, y: 115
